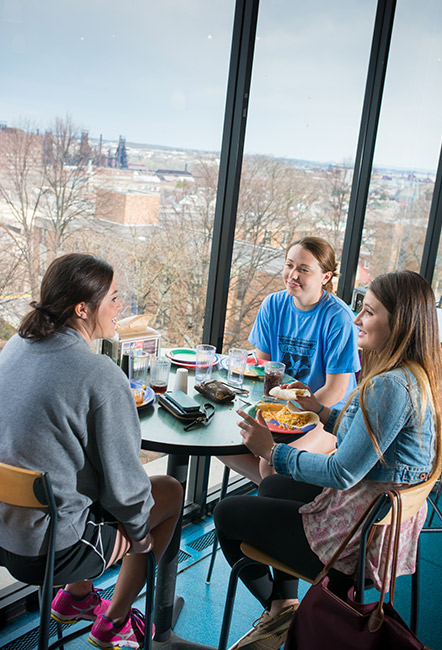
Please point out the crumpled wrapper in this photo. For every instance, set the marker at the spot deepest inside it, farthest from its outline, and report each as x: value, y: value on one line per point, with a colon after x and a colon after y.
x: 134, y: 327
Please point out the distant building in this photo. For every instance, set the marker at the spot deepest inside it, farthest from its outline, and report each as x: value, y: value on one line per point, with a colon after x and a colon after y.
x: 127, y: 208
x: 174, y: 175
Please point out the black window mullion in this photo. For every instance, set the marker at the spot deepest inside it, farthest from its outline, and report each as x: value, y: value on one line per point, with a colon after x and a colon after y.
x: 235, y: 119
x: 238, y: 88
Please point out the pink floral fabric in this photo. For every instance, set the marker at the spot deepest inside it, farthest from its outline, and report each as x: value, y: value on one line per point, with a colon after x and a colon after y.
x: 330, y: 517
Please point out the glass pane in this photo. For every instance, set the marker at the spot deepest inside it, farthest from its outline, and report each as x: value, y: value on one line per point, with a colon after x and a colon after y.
x: 113, y: 128
x: 408, y: 145
x: 306, y: 97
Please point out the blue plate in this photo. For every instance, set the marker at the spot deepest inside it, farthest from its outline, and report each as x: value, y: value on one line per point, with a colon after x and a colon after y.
x: 148, y: 395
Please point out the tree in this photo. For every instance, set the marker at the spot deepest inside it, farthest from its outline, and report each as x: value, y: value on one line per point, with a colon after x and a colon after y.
x: 335, y: 215
x: 44, y: 193
x: 171, y: 267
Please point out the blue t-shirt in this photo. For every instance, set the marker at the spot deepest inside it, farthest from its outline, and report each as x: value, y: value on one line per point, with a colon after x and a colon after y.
x: 312, y: 343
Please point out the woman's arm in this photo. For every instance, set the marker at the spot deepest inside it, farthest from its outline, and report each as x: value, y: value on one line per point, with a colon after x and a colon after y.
x: 262, y: 355
x: 355, y: 455
x: 334, y: 389
x: 388, y: 406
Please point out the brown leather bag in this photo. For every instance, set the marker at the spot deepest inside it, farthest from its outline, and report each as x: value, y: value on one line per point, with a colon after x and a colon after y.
x: 325, y: 622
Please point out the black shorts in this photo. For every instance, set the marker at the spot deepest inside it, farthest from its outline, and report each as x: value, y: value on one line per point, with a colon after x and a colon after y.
x: 286, y: 437
x: 84, y: 560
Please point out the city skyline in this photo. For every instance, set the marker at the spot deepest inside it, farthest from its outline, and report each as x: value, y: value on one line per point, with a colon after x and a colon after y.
x: 157, y: 74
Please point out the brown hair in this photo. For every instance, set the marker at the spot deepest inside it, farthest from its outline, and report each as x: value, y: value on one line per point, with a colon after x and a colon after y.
x: 323, y: 252
x: 69, y: 280
x: 413, y: 344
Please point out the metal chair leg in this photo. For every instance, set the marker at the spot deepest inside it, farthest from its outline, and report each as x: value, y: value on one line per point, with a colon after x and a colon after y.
x: 150, y: 591
x: 414, y: 605
x: 224, y: 486
x: 230, y: 599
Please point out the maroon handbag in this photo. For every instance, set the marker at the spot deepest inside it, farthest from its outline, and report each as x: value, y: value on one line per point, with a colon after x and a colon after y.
x: 324, y: 621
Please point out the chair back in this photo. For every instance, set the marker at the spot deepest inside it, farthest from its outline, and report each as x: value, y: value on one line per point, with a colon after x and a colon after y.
x: 31, y: 489
x: 22, y: 487
x: 412, y: 497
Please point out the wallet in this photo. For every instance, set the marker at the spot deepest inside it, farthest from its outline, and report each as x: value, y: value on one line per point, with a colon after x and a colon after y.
x: 218, y: 391
x: 186, y: 409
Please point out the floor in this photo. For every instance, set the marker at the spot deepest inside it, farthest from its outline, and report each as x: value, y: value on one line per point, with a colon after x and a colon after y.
x: 200, y: 619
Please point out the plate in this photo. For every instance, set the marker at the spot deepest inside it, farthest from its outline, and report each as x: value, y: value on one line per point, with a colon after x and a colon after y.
x: 275, y: 427
x: 253, y: 370
x: 191, y: 366
x: 148, y: 395
x: 182, y: 355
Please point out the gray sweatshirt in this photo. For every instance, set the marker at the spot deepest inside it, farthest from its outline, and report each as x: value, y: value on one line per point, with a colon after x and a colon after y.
x: 71, y: 413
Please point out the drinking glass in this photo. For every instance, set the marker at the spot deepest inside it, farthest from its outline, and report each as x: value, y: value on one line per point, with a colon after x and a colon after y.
x: 273, y: 375
x: 205, y: 357
x: 138, y: 366
x: 159, y: 374
x: 237, y: 366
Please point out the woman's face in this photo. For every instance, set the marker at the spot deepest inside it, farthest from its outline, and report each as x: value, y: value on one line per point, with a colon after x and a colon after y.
x: 106, y: 316
x: 373, y: 322
x: 303, y: 277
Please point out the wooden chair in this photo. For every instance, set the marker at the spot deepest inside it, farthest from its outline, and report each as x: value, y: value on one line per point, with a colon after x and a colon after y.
x: 30, y: 489
x: 412, y: 499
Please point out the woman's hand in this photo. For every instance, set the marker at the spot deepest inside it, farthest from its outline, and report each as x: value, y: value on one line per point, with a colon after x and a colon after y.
x: 256, y: 434
x: 306, y: 403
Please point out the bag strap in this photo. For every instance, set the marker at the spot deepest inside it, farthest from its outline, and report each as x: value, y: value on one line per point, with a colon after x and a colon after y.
x: 377, y: 616
x: 344, y: 543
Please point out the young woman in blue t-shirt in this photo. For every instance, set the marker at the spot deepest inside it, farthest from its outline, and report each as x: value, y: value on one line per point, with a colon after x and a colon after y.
x: 312, y: 332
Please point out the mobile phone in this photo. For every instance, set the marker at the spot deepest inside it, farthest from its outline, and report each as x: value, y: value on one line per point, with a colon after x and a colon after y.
x: 183, y: 401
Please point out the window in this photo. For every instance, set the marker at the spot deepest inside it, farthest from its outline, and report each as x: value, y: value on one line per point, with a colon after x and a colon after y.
x: 303, y: 120
x: 408, y: 143
x: 124, y: 109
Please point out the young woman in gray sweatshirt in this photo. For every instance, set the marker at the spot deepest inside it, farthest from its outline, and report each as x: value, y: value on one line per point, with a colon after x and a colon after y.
x: 71, y: 413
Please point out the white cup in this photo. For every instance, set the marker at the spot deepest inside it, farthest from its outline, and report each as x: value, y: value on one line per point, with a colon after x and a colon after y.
x: 181, y: 379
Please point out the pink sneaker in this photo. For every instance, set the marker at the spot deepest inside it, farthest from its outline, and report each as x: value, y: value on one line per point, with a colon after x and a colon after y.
x: 130, y: 635
x: 66, y: 609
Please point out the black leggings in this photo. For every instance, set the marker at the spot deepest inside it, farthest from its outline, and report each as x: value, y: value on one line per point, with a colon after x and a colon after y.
x: 271, y: 522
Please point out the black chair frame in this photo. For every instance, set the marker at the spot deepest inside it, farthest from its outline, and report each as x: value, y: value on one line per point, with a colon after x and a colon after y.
x: 379, y: 510
x: 42, y: 489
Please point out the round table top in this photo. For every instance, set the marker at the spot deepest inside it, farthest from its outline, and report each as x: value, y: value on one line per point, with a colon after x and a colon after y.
x: 160, y: 431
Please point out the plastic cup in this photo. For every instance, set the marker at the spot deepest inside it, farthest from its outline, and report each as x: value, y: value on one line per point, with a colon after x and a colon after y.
x: 138, y: 366
x: 273, y: 375
x: 159, y: 374
x: 237, y: 366
x: 205, y: 357
x: 138, y: 394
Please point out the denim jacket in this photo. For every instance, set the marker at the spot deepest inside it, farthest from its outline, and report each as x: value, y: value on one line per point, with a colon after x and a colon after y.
x: 407, y: 444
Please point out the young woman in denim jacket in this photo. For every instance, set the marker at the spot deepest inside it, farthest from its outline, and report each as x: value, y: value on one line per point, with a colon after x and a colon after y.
x: 388, y: 434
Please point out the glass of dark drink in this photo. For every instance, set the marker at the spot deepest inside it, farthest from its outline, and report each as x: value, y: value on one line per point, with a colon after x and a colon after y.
x: 273, y: 375
x: 159, y: 374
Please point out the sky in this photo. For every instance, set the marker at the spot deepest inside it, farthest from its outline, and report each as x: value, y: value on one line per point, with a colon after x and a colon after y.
x: 156, y: 73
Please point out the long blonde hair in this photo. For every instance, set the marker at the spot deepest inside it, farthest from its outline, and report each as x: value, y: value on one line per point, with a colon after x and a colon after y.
x: 413, y: 345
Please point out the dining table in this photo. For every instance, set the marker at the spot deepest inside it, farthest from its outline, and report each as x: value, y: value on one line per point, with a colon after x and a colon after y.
x: 162, y: 432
